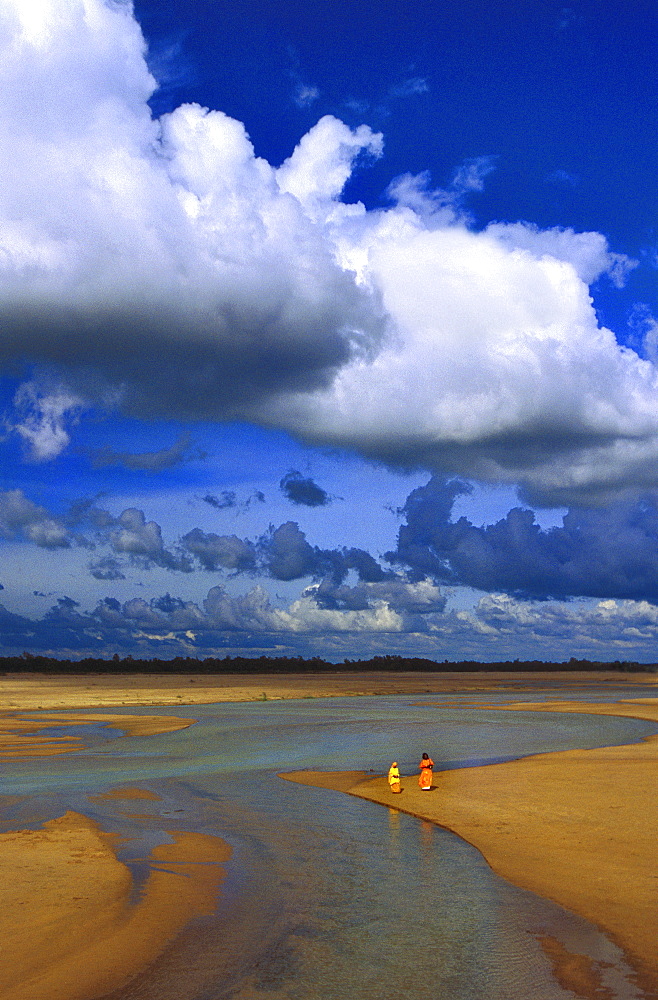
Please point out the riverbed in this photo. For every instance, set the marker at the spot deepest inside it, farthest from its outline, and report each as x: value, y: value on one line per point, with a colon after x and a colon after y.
x: 324, y: 895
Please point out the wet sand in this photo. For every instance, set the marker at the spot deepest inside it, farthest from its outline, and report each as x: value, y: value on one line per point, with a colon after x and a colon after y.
x: 68, y: 928
x: 20, y: 733
x: 577, y: 827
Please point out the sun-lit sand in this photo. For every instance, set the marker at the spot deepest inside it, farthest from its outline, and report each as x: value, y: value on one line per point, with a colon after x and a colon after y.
x: 68, y: 930
x: 578, y: 826
x: 20, y: 733
x: 24, y: 691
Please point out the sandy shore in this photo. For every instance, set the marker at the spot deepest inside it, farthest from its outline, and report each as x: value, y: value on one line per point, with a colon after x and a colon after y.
x: 68, y: 930
x: 21, y: 733
x: 71, y: 691
x: 578, y: 826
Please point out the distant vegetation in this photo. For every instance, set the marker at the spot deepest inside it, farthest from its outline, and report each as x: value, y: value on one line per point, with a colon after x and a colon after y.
x: 27, y: 663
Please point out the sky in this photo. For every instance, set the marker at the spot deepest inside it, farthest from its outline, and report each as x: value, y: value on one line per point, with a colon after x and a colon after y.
x: 329, y: 329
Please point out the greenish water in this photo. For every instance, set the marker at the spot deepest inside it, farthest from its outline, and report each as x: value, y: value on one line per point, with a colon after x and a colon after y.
x: 329, y: 896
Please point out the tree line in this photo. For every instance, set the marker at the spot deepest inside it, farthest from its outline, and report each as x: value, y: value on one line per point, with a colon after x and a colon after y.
x: 30, y: 663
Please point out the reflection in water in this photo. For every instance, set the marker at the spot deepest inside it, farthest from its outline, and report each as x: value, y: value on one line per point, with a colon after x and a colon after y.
x: 328, y: 896
x: 426, y: 836
x: 394, y: 831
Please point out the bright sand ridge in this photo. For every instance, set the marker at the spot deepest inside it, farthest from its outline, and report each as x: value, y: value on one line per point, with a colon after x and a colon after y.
x: 67, y: 928
x: 576, y: 826
x: 20, y: 733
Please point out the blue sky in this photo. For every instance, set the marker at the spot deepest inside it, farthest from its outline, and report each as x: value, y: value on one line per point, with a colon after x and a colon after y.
x: 329, y: 329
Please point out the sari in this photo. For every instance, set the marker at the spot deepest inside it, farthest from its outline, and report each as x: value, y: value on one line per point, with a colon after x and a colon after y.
x: 425, y: 776
x: 394, y: 778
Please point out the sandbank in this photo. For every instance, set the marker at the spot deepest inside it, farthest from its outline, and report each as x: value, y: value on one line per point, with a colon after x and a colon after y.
x: 25, y: 691
x: 68, y: 928
x: 577, y: 826
x: 20, y: 733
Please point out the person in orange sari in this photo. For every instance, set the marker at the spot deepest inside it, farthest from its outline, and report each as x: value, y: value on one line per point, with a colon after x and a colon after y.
x: 394, y: 777
x: 425, y: 776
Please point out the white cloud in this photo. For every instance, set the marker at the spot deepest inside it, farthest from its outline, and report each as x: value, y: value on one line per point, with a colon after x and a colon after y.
x: 317, y: 171
x: 43, y: 416
x: 607, y: 629
x: 498, y: 627
x: 162, y: 259
x: 588, y: 253
x: 470, y: 175
x: 304, y: 615
x: 20, y: 517
x: 164, y: 262
x: 497, y: 367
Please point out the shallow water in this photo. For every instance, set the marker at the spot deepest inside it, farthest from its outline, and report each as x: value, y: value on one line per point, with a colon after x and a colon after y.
x: 329, y: 896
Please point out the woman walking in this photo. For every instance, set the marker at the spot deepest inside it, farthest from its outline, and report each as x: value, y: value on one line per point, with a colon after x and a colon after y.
x: 425, y: 776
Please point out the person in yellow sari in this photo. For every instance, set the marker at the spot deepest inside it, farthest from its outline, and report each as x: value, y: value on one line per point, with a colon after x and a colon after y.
x: 394, y: 777
x: 425, y: 776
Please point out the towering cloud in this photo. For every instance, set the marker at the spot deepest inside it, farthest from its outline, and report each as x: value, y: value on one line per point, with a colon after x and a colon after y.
x: 162, y: 267
x: 602, y: 552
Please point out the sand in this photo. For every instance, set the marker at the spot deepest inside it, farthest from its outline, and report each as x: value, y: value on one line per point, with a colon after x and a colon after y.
x: 20, y: 733
x: 67, y: 926
x: 70, y: 691
x: 577, y: 827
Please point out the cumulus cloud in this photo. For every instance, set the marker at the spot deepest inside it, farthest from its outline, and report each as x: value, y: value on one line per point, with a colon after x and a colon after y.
x: 286, y: 554
x: 498, y: 370
x: 405, y: 619
x: 142, y: 541
x: 303, y: 491
x: 21, y: 518
x: 408, y: 598
x: 161, y: 257
x: 220, y: 551
x: 601, y: 552
x: 588, y: 253
x: 608, y: 629
x: 605, y: 551
x: 161, y: 264
x: 129, y: 535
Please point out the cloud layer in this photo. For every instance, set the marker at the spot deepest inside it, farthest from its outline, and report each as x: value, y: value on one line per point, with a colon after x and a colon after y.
x: 162, y: 267
x: 606, y: 552
x: 498, y: 628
